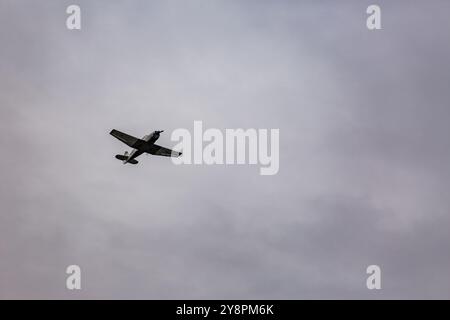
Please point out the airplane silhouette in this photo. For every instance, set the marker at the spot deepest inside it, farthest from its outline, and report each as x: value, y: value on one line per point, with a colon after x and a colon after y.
x: 140, y: 146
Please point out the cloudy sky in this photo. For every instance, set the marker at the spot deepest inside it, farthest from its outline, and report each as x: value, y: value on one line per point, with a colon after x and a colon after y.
x: 364, y: 149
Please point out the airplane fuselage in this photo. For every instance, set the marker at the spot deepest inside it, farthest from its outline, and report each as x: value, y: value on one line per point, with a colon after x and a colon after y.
x: 149, y: 139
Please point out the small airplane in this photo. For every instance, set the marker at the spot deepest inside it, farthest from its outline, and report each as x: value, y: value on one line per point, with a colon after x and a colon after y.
x: 140, y: 146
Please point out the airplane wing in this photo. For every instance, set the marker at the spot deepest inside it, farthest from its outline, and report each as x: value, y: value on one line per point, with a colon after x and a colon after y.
x: 161, y: 151
x: 130, y: 141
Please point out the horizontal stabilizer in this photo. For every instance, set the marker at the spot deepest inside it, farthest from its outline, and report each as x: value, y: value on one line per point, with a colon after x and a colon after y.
x: 125, y: 157
x: 121, y: 157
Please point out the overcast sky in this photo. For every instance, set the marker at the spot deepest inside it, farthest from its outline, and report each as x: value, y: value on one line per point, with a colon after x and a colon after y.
x: 364, y: 149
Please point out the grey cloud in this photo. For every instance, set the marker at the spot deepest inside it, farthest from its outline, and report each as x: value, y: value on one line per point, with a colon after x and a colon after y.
x: 363, y: 151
